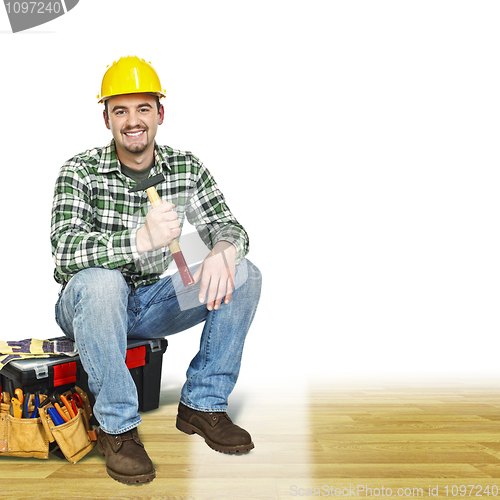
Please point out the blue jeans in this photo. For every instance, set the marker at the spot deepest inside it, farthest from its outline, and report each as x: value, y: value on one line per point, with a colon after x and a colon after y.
x: 98, y: 310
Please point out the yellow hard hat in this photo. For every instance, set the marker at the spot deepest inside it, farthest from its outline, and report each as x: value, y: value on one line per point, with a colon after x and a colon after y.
x: 130, y: 75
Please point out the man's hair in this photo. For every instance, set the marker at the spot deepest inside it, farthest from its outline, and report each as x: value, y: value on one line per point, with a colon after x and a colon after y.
x: 157, y: 104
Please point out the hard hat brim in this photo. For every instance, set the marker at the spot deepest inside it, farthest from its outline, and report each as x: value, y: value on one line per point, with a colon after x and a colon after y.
x: 106, y: 97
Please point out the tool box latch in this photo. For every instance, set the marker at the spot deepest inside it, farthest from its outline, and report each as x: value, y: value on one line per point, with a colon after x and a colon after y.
x: 155, y: 345
x: 41, y: 371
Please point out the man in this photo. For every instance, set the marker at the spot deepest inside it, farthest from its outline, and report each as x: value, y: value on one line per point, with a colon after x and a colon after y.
x: 110, y: 250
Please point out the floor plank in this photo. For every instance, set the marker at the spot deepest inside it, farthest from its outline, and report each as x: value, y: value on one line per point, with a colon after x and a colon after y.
x: 322, y: 440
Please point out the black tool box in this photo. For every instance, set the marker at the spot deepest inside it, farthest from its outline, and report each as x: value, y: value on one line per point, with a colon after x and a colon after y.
x: 144, y: 360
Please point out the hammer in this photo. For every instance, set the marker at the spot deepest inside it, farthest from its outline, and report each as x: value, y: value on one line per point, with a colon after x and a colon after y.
x: 149, y: 186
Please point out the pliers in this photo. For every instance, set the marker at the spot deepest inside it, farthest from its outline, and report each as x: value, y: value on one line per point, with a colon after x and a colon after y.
x: 36, y: 402
x: 76, y: 401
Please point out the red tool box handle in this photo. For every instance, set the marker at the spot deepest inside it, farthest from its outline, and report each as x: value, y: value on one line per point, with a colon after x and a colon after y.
x: 136, y: 356
x: 65, y: 374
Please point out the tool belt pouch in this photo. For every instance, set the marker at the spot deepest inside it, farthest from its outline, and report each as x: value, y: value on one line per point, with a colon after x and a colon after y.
x: 74, y: 437
x: 22, y: 437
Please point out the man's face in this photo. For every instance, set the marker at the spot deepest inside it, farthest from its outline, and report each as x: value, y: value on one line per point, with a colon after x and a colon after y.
x: 133, y: 120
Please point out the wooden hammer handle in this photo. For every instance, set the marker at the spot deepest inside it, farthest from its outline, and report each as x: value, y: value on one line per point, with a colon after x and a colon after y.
x: 175, y: 249
x: 154, y: 199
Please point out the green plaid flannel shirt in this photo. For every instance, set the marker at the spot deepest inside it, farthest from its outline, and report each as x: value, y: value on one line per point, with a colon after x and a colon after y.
x: 95, y: 219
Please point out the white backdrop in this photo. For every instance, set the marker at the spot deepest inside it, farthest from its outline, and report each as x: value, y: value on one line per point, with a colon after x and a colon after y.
x: 357, y: 142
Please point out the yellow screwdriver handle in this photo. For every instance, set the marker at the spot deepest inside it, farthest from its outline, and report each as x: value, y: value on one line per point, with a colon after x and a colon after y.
x: 19, y: 395
x: 16, y: 409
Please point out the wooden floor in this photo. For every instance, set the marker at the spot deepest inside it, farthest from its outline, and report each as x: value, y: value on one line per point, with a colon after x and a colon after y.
x: 345, y: 439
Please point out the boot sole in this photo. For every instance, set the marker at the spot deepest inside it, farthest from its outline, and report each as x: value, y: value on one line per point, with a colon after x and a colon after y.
x: 191, y: 429
x: 140, y: 478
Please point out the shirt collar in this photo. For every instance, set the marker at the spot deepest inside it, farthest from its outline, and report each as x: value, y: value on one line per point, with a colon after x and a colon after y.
x: 160, y: 161
x: 109, y: 161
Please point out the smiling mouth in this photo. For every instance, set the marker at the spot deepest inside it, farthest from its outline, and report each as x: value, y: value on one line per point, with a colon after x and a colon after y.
x: 134, y: 134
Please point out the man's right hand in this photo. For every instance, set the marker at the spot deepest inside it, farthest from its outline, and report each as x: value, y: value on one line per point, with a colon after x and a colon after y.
x: 161, y: 228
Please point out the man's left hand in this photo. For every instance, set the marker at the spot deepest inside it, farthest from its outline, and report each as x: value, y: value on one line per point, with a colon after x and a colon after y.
x: 217, y: 275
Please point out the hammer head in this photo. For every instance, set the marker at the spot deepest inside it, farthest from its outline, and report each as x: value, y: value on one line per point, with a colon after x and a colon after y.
x: 152, y: 181
x: 53, y: 398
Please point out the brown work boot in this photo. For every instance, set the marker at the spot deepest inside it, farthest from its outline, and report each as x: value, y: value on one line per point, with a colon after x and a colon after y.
x: 126, y: 458
x: 216, y: 428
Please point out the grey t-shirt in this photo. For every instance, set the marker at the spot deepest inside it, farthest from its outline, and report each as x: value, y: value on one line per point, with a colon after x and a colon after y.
x: 136, y: 175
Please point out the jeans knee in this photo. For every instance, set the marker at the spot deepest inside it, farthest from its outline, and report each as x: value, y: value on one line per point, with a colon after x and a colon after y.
x: 93, y: 297
x: 253, y: 280
x: 99, y: 283
x: 254, y: 275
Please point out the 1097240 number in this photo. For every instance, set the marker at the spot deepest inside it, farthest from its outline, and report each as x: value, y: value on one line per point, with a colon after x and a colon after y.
x: 471, y: 490
x: 33, y: 7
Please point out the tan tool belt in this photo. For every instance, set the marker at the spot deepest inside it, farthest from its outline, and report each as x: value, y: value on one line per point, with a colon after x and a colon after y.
x: 30, y: 437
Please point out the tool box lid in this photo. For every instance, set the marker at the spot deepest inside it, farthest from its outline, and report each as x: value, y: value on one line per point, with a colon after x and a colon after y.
x: 25, y: 368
